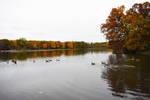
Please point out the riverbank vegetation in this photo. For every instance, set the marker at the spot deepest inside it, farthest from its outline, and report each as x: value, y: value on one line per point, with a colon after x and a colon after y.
x: 128, y: 31
x: 23, y: 44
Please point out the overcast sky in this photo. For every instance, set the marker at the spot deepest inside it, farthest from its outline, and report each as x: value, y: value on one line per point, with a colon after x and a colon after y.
x: 62, y: 20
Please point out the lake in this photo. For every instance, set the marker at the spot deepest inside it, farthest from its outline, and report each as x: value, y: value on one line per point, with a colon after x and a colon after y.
x: 74, y: 75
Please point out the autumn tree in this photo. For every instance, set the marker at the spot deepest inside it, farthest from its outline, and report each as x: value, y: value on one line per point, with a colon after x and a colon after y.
x: 22, y: 43
x: 53, y: 44
x: 80, y: 45
x: 45, y: 46
x: 69, y: 45
x: 58, y: 44
x: 13, y: 44
x: 137, y: 27
x: 63, y: 45
x: 35, y: 46
x: 112, y: 28
x: 129, y: 31
x: 4, y: 44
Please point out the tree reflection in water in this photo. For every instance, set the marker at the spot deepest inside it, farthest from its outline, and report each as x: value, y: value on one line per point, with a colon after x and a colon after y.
x: 128, y: 76
x: 34, y: 54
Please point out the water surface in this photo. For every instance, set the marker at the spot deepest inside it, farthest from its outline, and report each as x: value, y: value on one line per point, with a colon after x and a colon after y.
x: 69, y: 75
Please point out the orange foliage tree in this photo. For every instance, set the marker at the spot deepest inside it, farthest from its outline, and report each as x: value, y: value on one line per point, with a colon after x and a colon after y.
x: 112, y: 28
x: 128, y: 31
x: 63, y: 45
x: 6, y: 44
x: 53, y: 45
x: 45, y: 46
x: 137, y: 27
x: 69, y: 45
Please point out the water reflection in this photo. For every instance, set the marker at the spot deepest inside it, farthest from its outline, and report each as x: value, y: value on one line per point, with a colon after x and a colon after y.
x: 34, y: 54
x: 128, y: 76
x: 74, y: 75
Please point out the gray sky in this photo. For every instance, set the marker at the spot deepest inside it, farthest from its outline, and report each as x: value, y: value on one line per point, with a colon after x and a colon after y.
x: 63, y: 20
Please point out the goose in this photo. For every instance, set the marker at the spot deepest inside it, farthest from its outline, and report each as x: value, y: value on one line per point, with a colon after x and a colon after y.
x: 57, y: 60
x: 33, y: 61
x: 46, y: 61
x: 92, y: 63
x: 14, y: 61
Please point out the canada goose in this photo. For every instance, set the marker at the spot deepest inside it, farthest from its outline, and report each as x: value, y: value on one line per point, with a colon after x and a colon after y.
x: 92, y: 63
x: 57, y: 60
x: 46, y: 61
x: 14, y: 61
x: 103, y: 62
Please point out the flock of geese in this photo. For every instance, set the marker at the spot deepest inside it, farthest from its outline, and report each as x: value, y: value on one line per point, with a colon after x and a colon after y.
x: 48, y: 60
x: 15, y: 61
x: 51, y: 60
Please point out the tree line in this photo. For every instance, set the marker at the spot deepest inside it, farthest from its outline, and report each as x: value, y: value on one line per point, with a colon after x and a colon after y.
x: 128, y: 31
x: 23, y: 44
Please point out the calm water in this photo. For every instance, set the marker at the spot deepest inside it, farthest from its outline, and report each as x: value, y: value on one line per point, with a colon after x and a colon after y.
x: 69, y: 75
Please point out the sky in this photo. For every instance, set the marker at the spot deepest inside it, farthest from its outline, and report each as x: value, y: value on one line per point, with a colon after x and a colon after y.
x: 58, y: 20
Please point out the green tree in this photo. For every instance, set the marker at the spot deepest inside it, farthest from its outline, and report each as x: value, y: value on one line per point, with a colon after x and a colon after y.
x: 21, y: 43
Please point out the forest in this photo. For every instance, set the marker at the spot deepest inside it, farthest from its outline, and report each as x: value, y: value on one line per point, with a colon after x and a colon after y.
x: 23, y: 44
x: 128, y: 31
